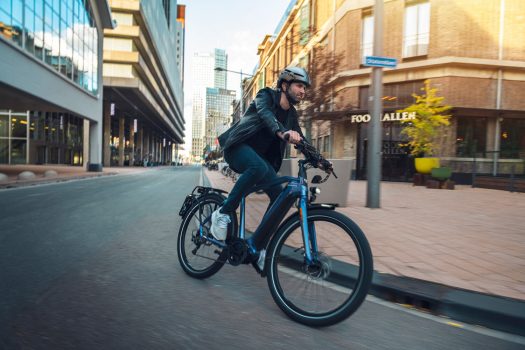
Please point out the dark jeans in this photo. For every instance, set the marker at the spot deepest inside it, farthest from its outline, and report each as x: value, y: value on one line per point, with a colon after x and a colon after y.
x: 254, y: 170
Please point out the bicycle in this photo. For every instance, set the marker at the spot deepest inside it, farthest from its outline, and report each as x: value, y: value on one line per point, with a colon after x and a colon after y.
x: 318, y: 261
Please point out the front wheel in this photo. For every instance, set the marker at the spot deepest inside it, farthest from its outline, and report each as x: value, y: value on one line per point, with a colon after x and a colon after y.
x: 331, y: 288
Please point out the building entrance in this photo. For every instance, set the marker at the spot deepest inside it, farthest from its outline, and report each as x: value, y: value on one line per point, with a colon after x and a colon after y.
x: 396, y: 164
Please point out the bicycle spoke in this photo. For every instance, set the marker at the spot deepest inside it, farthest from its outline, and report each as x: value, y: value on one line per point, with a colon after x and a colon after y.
x: 311, y: 288
x: 199, y: 256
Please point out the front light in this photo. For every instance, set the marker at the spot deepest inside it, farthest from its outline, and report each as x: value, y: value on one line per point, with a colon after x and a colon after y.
x: 315, y: 190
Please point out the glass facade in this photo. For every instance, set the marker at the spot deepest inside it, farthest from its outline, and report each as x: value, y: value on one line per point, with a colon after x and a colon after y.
x: 40, y: 138
x: 221, y: 61
x: 218, y: 114
x: 62, y: 33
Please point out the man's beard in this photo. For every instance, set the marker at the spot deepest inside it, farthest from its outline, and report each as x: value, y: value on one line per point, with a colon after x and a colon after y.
x: 290, y: 98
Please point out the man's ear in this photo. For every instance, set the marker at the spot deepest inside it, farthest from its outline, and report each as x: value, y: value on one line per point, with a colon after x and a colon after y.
x: 283, y: 84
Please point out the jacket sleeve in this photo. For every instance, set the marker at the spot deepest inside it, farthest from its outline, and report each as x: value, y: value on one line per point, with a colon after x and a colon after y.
x: 264, y: 104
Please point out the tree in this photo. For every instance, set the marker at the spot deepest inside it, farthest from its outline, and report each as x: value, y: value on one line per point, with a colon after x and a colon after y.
x: 319, y: 98
x: 424, y: 131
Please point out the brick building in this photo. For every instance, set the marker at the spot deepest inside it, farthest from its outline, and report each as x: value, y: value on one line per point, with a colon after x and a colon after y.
x: 473, y: 51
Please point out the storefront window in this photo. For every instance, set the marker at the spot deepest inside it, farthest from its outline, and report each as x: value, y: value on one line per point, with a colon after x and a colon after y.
x: 36, y: 129
x: 54, y: 138
x: 18, y: 151
x: 4, y: 151
x: 4, y: 125
x: 471, y: 137
x: 18, y: 126
x: 512, y: 142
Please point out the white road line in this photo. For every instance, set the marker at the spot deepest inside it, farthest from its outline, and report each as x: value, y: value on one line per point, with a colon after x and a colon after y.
x: 440, y: 319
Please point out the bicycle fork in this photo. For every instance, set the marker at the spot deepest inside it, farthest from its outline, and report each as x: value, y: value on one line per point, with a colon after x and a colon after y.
x: 307, y: 229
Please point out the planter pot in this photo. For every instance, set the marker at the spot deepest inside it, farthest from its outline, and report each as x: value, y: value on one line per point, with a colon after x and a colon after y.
x: 425, y: 165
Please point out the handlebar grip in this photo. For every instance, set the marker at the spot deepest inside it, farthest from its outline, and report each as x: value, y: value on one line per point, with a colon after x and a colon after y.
x: 287, y: 137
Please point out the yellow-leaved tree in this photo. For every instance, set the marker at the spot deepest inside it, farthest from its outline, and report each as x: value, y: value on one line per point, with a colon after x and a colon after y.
x: 423, y: 131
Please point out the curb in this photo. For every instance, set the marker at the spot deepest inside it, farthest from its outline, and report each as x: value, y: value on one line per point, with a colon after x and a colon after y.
x: 18, y: 184
x: 491, y: 311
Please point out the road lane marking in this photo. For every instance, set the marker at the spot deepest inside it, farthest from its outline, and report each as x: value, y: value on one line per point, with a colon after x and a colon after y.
x: 416, y: 312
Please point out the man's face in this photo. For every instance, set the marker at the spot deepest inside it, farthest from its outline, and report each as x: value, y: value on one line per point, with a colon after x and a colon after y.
x: 297, y: 91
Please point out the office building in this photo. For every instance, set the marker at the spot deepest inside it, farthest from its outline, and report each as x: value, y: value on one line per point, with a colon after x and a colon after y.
x: 143, y: 84
x: 209, y: 92
x: 219, y: 111
x: 51, y: 81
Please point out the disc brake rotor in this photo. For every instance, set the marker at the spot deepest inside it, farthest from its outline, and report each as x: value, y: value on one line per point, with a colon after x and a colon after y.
x: 320, y: 269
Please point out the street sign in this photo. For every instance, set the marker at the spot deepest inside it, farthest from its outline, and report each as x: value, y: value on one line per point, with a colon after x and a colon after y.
x: 378, y: 61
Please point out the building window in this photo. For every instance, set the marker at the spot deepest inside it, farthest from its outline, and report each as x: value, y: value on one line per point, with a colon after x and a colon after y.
x: 166, y: 6
x: 304, y: 24
x: 367, y: 40
x: 326, y: 144
x: 471, y: 137
x: 262, y: 77
x: 417, y: 29
x: 512, y: 141
x: 398, y: 95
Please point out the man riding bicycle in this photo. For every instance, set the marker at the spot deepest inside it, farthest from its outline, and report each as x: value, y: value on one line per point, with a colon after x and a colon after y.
x: 255, y: 145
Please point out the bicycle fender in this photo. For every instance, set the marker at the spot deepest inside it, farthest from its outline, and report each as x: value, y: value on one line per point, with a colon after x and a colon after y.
x: 329, y: 206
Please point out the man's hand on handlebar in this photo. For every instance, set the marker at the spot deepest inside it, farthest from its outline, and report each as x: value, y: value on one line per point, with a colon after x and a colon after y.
x: 290, y: 136
x: 325, y: 166
x: 315, y: 158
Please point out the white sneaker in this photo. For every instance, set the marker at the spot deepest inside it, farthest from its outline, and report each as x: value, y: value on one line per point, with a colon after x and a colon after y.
x: 219, y: 225
x: 260, y: 260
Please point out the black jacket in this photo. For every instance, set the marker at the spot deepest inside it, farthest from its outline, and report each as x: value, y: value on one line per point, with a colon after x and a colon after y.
x: 261, y: 114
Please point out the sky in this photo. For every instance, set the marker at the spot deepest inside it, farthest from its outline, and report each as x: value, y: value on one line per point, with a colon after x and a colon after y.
x: 237, y: 26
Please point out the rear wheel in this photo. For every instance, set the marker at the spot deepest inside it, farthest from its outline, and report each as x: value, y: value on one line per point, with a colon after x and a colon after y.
x: 334, y: 286
x: 199, y: 257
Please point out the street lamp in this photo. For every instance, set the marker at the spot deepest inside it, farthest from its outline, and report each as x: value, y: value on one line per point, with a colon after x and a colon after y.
x: 220, y: 69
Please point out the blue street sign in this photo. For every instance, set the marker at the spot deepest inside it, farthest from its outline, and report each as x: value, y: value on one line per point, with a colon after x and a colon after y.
x: 378, y: 61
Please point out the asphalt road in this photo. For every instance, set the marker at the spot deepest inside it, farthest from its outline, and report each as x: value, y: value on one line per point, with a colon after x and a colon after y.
x: 92, y: 264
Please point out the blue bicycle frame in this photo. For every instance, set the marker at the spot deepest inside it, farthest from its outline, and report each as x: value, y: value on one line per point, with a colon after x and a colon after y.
x: 296, y: 189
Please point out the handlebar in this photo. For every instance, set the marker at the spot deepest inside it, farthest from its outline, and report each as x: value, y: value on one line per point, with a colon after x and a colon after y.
x: 313, y: 157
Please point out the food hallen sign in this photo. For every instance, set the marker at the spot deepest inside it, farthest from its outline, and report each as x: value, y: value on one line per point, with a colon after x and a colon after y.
x: 386, y: 117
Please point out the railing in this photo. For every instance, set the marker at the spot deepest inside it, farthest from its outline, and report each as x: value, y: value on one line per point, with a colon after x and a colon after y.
x: 511, y: 179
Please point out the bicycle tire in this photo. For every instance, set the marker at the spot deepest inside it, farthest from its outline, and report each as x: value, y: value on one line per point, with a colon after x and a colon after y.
x: 336, y: 276
x: 189, y: 230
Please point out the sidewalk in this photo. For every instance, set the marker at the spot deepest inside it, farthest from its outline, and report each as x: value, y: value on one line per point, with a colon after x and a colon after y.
x: 436, y: 241
x: 63, y: 173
